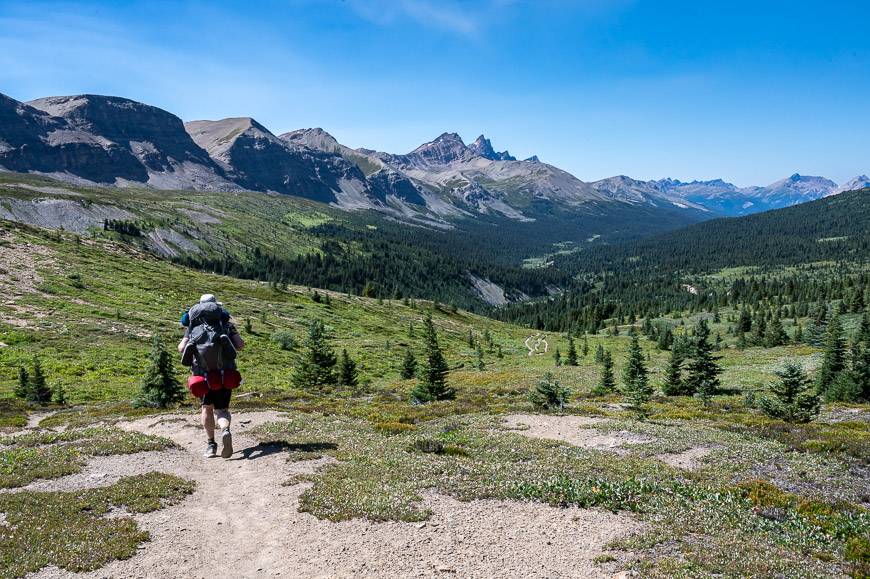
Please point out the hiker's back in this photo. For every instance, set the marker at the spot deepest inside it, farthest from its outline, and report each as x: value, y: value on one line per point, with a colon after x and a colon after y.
x: 209, y: 347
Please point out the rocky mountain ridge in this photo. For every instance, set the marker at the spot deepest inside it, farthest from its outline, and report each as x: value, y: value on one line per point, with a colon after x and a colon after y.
x: 116, y: 141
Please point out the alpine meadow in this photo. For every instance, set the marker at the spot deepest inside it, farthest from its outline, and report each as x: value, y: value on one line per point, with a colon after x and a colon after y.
x: 237, y: 348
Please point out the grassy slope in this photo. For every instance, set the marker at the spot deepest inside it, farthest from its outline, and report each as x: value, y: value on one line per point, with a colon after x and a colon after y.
x: 94, y: 305
x: 276, y: 224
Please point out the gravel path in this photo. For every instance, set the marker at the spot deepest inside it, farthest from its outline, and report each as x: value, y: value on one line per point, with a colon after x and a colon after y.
x: 241, y: 522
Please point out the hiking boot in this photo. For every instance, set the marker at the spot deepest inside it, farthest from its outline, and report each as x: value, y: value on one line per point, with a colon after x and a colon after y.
x: 211, y: 450
x: 227, y: 441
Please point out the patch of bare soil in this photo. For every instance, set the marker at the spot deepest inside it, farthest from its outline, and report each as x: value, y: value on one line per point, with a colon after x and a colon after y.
x: 242, y: 522
x: 690, y: 459
x: 574, y: 430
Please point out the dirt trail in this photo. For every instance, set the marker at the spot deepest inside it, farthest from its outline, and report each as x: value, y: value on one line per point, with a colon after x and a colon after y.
x: 241, y: 522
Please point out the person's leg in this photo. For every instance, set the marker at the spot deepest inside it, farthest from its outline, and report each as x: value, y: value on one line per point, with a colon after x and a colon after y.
x: 222, y: 413
x: 224, y: 418
x: 208, y: 421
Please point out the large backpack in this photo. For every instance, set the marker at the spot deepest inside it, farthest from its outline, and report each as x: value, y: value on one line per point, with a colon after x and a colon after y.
x: 209, y: 347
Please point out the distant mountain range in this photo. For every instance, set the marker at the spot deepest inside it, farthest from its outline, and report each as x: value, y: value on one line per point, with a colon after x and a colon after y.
x: 723, y: 198
x: 116, y: 141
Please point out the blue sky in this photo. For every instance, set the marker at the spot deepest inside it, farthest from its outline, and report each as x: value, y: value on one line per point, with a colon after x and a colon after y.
x: 747, y: 91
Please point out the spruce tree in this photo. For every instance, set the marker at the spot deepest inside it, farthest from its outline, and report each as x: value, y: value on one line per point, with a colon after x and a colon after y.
x: 844, y: 388
x: 433, y: 377
x: 160, y: 386
x: 775, y: 335
x: 557, y: 358
x: 39, y: 391
x: 793, y: 400
x: 607, y: 381
x: 703, y: 367
x: 348, y: 375
x: 480, y: 363
x: 673, y: 384
x: 818, y: 330
x: 599, y: 354
x: 571, y: 357
x: 585, y: 349
x: 22, y: 387
x: 58, y: 396
x: 834, y: 361
x: 635, y: 381
x: 409, y: 365
x: 744, y: 323
x: 317, y: 367
x: 665, y: 339
x: 549, y: 394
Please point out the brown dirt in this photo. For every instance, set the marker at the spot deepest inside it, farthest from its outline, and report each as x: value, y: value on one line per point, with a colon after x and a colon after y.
x: 690, y: 459
x: 576, y: 430
x: 241, y: 522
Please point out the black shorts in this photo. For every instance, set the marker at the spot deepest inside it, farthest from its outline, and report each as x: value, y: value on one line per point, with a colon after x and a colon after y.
x: 220, y: 399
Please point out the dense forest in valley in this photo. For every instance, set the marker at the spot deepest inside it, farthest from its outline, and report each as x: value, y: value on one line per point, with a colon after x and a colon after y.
x: 800, y: 256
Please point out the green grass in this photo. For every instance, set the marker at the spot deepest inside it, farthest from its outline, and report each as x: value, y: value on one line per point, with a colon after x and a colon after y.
x: 70, y: 529
x: 47, y: 455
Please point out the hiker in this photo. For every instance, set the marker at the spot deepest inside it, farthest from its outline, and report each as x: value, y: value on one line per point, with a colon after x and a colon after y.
x: 209, y: 347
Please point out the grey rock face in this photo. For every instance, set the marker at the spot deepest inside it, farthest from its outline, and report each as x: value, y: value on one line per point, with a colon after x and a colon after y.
x: 483, y: 148
x: 104, y: 140
x: 32, y: 140
x: 258, y: 160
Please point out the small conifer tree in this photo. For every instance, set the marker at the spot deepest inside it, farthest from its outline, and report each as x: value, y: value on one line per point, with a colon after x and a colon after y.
x: 673, y: 384
x: 22, y: 387
x: 635, y: 382
x: 38, y: 391
x: 58, y: 396
x: 557, y: 358
x: 160, y: 386
x: 317, y: 367
x: 409, y: 365
x: 571, y: 357
x: 607, y: 381
x: 549, y: 394
x: 585, y: 345
x: 834, y: 360
x: 348, y: 375
x: 433, y: 377
x: 703, y: 367
x: 793, y: 399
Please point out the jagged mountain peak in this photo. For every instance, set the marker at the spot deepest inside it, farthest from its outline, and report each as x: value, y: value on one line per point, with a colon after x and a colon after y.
x: 483, y: 147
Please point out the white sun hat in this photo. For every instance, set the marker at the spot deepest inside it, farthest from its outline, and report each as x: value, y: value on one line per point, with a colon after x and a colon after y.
x: 207, y: 298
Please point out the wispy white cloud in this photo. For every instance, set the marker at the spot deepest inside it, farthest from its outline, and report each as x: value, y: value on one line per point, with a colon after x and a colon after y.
x: 463, y: 18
